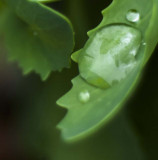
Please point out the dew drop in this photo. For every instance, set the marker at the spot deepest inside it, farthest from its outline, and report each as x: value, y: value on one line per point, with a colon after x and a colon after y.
x: 144, y: 44
x: 104, y: 60
x: 84, y: 96
x: 133, y: 16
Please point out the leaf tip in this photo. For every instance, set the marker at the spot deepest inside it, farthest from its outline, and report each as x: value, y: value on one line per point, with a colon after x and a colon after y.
x: 75, y: 55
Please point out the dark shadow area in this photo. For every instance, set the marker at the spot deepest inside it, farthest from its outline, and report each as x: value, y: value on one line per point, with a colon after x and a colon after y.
x: 143, y: 108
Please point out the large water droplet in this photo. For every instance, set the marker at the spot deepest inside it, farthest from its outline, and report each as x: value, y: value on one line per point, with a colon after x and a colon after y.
x: 109, y: 55
x: 133, y: 16
x: 84, y: 96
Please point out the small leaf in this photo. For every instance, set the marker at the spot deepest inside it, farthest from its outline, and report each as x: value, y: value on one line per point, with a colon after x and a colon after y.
x: 39, y: 38
x: 103, y: 104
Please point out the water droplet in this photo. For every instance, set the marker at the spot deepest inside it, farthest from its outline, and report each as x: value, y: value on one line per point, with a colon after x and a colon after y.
x: 109, y: 55
x: 144, y: 44
x: 133, y: 16
x: 35, y: 33
x: 84, y: 96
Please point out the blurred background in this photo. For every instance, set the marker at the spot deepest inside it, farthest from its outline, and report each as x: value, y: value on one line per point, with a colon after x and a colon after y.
x: 29, y: 114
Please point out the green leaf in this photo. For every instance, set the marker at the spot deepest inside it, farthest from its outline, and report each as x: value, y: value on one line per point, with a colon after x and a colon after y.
x: 44, y: 1
x: 38, y: 37
x: 90, y: 107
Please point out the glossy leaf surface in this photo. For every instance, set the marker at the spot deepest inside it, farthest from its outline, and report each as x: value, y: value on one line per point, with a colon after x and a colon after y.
x: 103, y: 104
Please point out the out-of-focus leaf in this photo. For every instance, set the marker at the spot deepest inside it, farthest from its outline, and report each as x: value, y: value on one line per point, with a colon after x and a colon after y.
x: 38, y: 37
x: 44, y: 1
x: 90, y: 107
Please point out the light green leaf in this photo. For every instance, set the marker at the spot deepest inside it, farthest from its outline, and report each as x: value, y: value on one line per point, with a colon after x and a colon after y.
x: 90, y: 107
x: 38, y: 37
